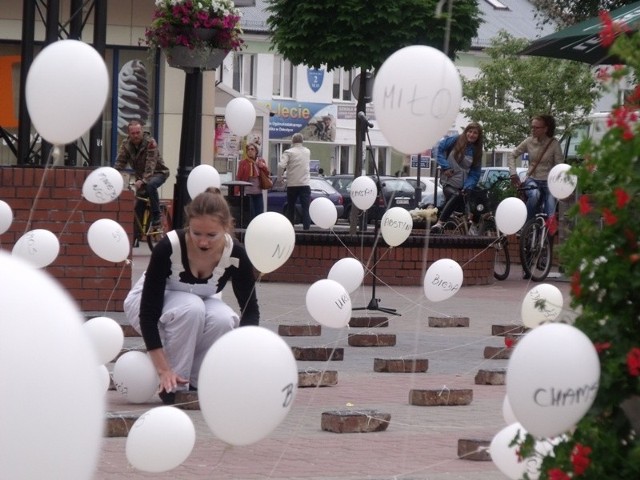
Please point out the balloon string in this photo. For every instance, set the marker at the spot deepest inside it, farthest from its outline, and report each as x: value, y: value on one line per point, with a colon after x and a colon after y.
x: 47, y: 167
x: 69, y: 219
x: 126, y: 263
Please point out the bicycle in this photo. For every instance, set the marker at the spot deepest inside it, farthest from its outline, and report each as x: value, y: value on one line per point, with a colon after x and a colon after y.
x: 143, y: 229
x: 536, y: 245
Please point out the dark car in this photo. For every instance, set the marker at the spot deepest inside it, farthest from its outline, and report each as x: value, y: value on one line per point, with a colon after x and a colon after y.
x: 277, y: 197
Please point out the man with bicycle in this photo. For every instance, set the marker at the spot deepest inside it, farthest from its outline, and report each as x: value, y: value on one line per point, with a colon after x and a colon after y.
x: 140, y: 151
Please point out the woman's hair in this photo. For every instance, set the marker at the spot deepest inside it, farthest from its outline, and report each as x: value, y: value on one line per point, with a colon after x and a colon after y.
x: 461, y: 144
x: 210, y: 202
x: 549, y: 122
x: 254, y: 146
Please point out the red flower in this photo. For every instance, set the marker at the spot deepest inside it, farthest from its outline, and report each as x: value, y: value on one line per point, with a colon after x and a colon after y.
x: 576, y: 288
x: 557, y: 474
x: 602, y: 346
x: 622, y: 117
x: 552, y: 224
x: 610, y: 29
x: 585, y: 206
x: 602, y: 74
x: 633, y: 362
x: 580, y: 458
x: 622, y: 197
x: 609, y: 217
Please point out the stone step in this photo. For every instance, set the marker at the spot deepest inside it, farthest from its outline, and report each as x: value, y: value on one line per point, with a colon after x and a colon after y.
x: 448, y: 322
x: 368, y: 322
x: 119, y: 425
x: 495, y: 376
x: 307, y: 378
x: 320, y: 354
x: 299, y: 330
x: 355, y: 421
x: 509, y: 329
x: 372, y: 339
x: 187, y: 400
x: 400, y: 365
x: 497, y: 353
x: 473, y: 449
x: 441, y: 397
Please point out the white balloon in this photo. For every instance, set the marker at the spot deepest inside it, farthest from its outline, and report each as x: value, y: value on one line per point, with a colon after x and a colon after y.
x: 363, y: 192
x: 240, y: 116
x: 247, y: 384
x: 323, y: 212
x: 103, y: 185
x: 66, y: 90
x: 507, y: 412
x: 533, y: 315
x: 39, y: 247
x: 511, y: 215
x: 396, y: 226
x: 160, y: 440
x: 348, y: 272
x: 416, y: 96
x: 104, y: 377
x: 6, y: 216
x: 45, y: 350
x: 329, y: 303
x: 135, y: 377
x: 106, y: 336
x: 561, y: 183
x: 552, y: 378
x: 202, y: 177
x: 505, y: 457
x: 108, y: 240
x: 442, y: 280
x: 269, y: 241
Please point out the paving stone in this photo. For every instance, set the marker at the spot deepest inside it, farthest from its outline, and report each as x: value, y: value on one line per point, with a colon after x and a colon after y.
x: 187, y: 400
x: 491, y: 377
x: 355, y: 421
x: 447, y: 322
x: 129, y: 331
x: 440, y: 397
x: 119, y: 425
x: 497, y: 353
x: 472, y: 449
x: 502, y: 330
x: 368, y: 322
x: 299, y: 330
x: 372, y: 339
x: 321, y: 354
x: 328, y: 378
x: 400, y: 365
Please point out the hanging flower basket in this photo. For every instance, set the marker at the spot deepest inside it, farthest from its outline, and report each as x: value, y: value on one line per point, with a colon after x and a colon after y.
x: 194, y: 59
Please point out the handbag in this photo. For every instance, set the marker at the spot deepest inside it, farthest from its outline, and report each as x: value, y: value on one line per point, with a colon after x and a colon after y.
x: 265, y: 180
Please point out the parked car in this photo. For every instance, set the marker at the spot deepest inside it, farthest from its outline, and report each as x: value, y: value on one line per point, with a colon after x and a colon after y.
x: 490, y: 175
x: 277, y: 197
x: 428, y: 187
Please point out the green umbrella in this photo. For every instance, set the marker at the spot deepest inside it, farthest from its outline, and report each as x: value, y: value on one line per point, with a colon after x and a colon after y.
x: 581, y: 42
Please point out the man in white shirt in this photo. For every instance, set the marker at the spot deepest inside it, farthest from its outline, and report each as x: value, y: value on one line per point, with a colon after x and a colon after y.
x: 296, y: 161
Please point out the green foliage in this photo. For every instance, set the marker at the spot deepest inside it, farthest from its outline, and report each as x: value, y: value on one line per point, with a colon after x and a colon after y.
x: 510, y: 89
x: 363, y: 33
x: 569, y: 12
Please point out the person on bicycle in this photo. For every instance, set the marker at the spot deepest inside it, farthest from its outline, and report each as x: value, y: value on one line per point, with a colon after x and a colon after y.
x: 174, y: 303
x: 544, y: 153
x: 140, y: 151
x: 460, y: 160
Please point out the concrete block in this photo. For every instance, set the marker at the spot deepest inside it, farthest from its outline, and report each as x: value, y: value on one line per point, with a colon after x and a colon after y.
x: 119, y: 425
x: 502, y: 330
x: 440, y: 397
x: 473, y: 449
x: 368, y: 322
x: 187, y: 400
x: 400, y: 365
x: 497, y: 353
x: 320, y: 354
x: 448, y: 322
x: 299, y: 330
x: 355, y: 421
x: 491, y: 377
x: 328, y: 378
x: 372, y: 340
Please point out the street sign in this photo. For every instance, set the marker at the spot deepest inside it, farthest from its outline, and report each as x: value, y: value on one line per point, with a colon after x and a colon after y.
x: 425, y: 162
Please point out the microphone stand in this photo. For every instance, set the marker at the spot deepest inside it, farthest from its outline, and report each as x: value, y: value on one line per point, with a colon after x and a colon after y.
x: 374, y: 302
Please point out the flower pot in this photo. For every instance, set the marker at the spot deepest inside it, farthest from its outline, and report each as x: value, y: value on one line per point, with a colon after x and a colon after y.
x: 196, y: 59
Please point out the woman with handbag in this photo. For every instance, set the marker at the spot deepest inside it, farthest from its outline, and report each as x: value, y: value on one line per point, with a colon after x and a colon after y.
x: 253, y: 169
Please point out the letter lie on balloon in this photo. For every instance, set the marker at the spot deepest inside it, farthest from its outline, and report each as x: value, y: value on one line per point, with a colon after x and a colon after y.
x: 108, y: 240
x: 416, y: 95
x: 561, y: 182
x: 442, y: 280
x: 269, y: 241
x: 39, y: 247
x: 363, y: 192
x: 543, y: 303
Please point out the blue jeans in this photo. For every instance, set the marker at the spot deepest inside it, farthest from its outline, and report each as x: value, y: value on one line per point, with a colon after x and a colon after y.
x: 304, y: 194
x: 533, y: 198
x: 152, y: 185
x: 256, y: 205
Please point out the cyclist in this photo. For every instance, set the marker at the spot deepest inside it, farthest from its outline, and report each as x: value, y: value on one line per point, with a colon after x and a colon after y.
x: 140, y: 151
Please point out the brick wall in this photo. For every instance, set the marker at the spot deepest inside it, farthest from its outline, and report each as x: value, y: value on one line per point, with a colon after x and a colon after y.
x: 96, y: 285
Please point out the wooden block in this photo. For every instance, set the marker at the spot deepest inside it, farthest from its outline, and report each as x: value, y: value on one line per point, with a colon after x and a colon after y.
x: 472, y: 449
x: 119, y: 425
x: 187, y: 400
x: 352, y: 421
x: 129, y: 331
x: 328, y: 378
x: 320, y: 354
x: 299, y: 330
x: 368, y: 322
x: 400, y: 365
x: 440, y: 397
x: 447, y: 322
x: 372, y: 339
x: 491, y: 377
x: 502, y: 330
x: 497, y: 353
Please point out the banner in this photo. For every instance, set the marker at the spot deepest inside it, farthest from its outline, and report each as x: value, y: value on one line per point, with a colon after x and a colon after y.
x: 316, y: 121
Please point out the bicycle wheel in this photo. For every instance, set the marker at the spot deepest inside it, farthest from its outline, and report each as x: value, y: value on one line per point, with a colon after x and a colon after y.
x: 535, y: 250
x: 157, y: 233
x: 453, y: 226
x: 502, y: 263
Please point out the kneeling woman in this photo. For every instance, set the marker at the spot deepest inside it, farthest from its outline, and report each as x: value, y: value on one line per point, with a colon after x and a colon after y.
x: 174, y: 306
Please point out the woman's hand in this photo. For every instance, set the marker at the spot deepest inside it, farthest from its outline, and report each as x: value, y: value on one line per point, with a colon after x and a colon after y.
x: 169, y: 380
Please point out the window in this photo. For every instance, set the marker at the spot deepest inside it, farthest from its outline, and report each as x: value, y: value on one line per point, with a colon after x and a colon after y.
x: 342, y: 80
x: 244, y: 73
x: 283, y: 77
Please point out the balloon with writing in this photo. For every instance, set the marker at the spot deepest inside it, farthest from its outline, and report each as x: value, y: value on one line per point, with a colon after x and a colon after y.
x: 135, y: 377
x: 363, y: 192
x: 108, y: 240
x: 269, y: 241
x: 247, y: 384
x: 348, y: 272
x: 103, y: 185
x: 396, y: 226
x: 329, y: 303
x: 416, y: 96
x: 552, y: 378
x: 39, y: 247
x: 442, y: 280
x: 543, y: 303
x: 561, y: 183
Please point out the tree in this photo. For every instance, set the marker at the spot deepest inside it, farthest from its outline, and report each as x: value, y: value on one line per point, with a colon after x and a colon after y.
x: 567, y: 12
x: 510, y: 89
